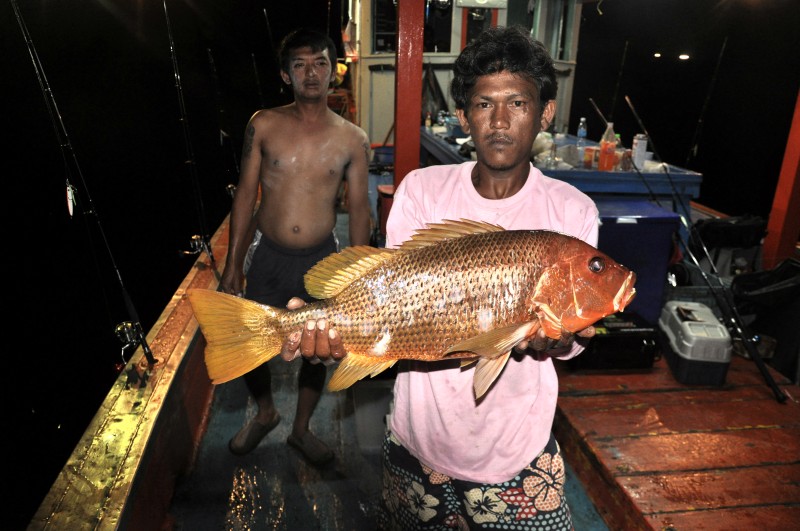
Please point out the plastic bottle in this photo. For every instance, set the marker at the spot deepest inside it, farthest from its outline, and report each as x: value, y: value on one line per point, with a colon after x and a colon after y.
x: 608, y: 149
x: 639, y: 148
x: 552, y: 159
x: 581, y: 143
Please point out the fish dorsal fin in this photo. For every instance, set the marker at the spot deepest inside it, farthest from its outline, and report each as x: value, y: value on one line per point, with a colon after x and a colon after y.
x: 496, y: 342
x: 354, y: 367
x: 486, y: 373
x: 337, y: 271
x: 447, y: 230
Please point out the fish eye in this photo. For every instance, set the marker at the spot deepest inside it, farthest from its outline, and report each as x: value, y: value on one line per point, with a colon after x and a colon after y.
x: 597, y: 264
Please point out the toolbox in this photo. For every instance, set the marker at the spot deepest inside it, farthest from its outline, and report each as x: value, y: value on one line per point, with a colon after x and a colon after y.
x: 622, y: 342
x: 696, y: 345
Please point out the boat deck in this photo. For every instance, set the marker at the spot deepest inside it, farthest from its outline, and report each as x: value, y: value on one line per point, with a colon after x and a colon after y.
x: 275, y: 488
x: 642, y: 450
x: 656, y: 454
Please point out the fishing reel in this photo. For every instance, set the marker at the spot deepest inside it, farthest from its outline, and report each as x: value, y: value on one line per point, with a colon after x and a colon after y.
x: 197, y: 245
x: 129, y: 334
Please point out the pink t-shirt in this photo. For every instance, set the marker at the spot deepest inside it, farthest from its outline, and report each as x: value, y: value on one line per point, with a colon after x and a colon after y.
x: 435, y: 414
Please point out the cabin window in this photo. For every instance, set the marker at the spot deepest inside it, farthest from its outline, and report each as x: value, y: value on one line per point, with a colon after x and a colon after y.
x: 477, y: 20
x: 556, y: 21
x: 436, y: 35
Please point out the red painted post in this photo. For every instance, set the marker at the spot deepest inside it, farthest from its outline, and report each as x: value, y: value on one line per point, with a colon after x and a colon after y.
x: 408, y: 87
x: 783, y: 227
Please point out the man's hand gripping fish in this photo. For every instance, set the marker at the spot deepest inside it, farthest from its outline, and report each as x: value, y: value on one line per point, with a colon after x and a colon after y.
x: 457, y: 289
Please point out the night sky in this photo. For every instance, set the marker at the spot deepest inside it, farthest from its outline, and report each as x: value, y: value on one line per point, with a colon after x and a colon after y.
x: 739, y: 115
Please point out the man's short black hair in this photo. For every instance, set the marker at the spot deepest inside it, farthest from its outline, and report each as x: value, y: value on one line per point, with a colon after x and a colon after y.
x: 305, y: 37
x: 501, y: 49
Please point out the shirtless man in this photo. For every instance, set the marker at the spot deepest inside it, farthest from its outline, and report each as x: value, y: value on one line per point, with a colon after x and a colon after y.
x: 298, y: 154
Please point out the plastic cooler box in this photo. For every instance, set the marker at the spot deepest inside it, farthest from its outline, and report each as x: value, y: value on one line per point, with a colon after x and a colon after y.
x: 696, y: 345
x: 638, y: 234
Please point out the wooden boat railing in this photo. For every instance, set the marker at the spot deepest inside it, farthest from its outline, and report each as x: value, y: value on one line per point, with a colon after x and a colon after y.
x: 146, y: 433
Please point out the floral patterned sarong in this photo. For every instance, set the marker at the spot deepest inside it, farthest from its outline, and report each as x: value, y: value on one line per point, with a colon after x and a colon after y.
x: 417, y: 498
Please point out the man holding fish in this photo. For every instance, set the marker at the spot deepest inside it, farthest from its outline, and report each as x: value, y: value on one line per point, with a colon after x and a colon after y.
x: 452, y: 460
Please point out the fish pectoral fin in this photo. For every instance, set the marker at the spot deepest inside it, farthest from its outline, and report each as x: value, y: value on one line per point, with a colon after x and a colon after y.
x: 466, y: 362
x: 550, y: 322
x: 486, y: 373
x: 496, y: 342
x: 353, y: 368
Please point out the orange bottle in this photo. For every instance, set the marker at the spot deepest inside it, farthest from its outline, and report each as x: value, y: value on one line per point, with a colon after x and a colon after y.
x: 608, y: 149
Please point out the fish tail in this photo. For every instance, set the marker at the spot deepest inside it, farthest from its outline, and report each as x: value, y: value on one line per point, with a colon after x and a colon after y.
x: 240, y: 334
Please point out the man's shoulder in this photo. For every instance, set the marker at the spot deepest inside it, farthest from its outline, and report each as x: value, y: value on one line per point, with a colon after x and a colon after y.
x: 346, y: 127
x: 271, y: 116
x: 353, y: 130
x: 435, y: 178
x: 440, y: 171
x: 564, y: 188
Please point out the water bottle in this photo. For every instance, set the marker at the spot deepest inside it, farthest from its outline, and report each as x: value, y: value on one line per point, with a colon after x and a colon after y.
x: 608, y: 149
x: 581, y: 143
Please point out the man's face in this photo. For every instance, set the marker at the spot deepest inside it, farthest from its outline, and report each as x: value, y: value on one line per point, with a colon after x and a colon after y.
x: 310, y: 73
x: 503, y: 117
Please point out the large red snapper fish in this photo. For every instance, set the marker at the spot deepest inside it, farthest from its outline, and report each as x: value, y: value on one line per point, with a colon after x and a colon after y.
x: 457, y: 289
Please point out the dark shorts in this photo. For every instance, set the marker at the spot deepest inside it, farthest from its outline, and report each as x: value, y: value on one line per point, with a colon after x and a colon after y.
x: 276, y: 273
x: 417, y: 498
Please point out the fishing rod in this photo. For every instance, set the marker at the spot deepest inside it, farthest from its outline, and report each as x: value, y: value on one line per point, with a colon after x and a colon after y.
x: 258, y: 81
x: 651, y: 194
x: 664, y: 166
x: 721, y: 293
x: 134, y: 334
x: 273, y: 54
x: 199, y: 242
x: 700, y: 120
x: 619, y: 80
x: 599, y: 112
x: 224, y: 137
x: 269, y: 30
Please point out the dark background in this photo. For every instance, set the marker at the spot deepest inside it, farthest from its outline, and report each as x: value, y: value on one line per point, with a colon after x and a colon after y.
x: 110, y: 67
x: 745, y: 108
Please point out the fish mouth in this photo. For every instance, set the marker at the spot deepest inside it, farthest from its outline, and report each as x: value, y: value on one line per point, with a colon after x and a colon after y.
x: 626, y: 293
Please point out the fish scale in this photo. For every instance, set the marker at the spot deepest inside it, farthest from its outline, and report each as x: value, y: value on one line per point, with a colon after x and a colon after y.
x: 432, y: 298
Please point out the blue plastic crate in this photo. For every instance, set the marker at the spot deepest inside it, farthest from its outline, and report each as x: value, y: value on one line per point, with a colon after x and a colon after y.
x: 638, y: 234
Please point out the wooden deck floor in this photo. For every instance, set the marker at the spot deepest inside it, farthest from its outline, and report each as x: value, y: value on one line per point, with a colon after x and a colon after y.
x: 274, y: 488
x: 656, y: 454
